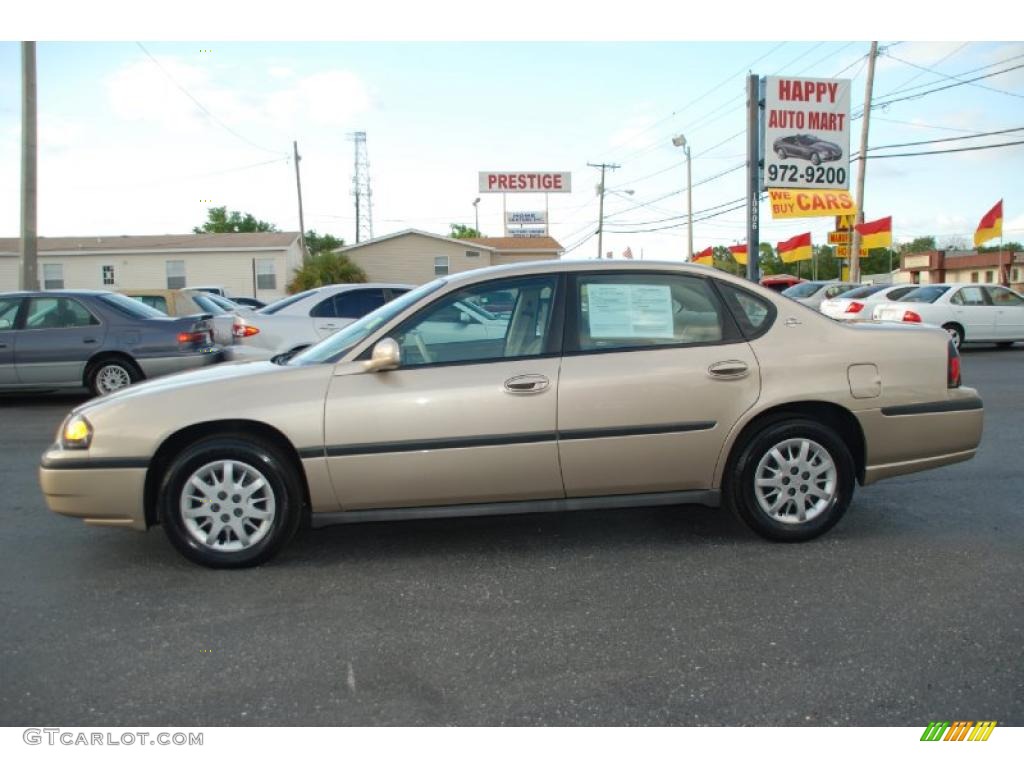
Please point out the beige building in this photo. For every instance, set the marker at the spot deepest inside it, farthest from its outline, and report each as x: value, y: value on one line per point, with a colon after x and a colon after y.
x: 1003, y: 267
x: 258, y: 264
x: 414, y: 256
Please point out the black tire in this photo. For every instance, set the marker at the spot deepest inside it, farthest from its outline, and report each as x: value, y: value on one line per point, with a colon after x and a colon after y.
x: 956, y: 333
x: 106, y: 370
x: 781, y: 153
x: 815, y: 158
x: 279, y: 473
x: 739, y: 486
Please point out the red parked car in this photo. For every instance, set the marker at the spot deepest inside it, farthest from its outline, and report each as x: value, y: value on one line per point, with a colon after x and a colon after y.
x: 780, y: 282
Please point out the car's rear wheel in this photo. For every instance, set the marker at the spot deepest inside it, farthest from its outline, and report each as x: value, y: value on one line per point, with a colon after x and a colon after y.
x: 112, y: 374
x: 956, y: 333
x: 230, y: 502
x: 792, y: 481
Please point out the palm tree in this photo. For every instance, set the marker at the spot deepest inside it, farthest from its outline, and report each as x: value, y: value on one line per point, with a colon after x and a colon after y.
x: 326, y: 269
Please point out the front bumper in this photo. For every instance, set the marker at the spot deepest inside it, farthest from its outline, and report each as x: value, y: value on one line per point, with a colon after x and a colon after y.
x: 96, y: 490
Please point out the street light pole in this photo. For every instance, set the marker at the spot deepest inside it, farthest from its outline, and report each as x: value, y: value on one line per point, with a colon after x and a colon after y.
x: 680, y: 141
x: 476, y: 214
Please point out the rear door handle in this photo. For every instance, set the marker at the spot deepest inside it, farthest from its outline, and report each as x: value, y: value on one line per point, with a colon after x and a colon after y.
x: 527, y: 384
x: 88, y: 341
x: 728, y: 369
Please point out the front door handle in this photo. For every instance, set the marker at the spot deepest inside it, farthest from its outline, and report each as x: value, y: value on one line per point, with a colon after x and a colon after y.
x: 728, y: 369
x: 528, y: 384
x: 88, y: 341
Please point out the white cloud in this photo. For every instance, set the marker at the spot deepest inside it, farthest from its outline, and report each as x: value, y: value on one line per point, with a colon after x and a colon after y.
x: 279, y: 72
x: 329, y: 98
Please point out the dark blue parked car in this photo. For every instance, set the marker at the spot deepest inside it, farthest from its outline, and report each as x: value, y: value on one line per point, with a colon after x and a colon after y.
x: 96, y: 339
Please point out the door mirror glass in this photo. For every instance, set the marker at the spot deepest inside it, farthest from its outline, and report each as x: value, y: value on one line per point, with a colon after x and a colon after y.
x: 464, y: 318
x: 386, y: 356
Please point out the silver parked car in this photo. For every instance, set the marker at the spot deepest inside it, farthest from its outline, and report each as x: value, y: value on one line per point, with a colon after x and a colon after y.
x: 813, y: 292
x: 96, y: 339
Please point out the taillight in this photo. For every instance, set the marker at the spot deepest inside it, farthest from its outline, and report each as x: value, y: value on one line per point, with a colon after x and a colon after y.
x: 854, y: 307
x: 192, y: 337
x: 911, y: 317
x: 241, y: 330
x: 952, y: 366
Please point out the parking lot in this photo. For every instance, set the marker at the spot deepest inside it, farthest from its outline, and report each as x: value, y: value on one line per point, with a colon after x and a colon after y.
x: 910, y: 610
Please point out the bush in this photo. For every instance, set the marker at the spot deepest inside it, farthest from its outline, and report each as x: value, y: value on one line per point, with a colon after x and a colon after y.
x: 326, y: 269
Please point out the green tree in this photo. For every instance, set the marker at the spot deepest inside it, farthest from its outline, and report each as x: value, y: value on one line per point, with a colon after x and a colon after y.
x: 463, y: 232
x: 326, y: 269
x: 918, y: 245
x: 219, y: 220
x: 322, y: 243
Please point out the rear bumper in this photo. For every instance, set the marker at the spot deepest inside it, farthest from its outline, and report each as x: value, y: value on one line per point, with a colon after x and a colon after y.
x: 161, y: 366
x: 914, y: 437
x: 97, y: 492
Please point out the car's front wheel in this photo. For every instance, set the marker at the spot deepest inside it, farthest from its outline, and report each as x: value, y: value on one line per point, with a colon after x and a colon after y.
x: 230, y: 502
x: 781, y: 153
x: 792, y: 481
x: 816, y: 158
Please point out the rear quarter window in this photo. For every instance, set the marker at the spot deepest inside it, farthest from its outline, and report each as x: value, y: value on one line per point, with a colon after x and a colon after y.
x: 754, y: 314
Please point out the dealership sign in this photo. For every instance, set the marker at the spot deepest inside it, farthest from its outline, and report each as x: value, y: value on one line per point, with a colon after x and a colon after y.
x: 807, y: 133
x: 526, y: 217
x: 807, y: 203
x: 528, y: 232
x: 513, y: 182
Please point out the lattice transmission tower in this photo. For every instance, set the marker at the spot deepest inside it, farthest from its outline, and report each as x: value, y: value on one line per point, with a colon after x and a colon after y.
x: 361, y: 188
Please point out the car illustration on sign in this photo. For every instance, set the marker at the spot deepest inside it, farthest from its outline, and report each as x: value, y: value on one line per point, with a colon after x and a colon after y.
x: 807, y: 147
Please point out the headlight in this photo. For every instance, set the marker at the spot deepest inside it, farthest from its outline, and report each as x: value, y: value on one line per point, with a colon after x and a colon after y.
x: 77, y: 433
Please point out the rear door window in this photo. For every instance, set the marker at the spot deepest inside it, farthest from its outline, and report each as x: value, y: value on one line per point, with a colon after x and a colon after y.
x: 8, y: 313
x: 359, y: 302
x: 625, y: 311
x: 57, y: 313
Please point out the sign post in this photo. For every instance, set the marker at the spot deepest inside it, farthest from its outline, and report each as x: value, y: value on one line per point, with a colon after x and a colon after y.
x: 753, y: 183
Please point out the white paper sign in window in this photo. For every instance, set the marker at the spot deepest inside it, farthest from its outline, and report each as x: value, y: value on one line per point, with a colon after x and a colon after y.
x: 630, y: 311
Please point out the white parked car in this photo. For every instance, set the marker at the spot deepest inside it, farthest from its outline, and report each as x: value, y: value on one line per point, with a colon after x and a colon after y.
x: 859, y: 303
x: 967, y: 311
x: 296, y: 322
x: 813, y: 292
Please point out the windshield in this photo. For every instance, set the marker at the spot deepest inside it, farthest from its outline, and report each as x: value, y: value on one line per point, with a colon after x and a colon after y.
x: 287, y: 301
x: 802, y: 290
x: 131, y: 307
x: 225, y: 304
x: 926, y: 295
x: 333, y: 347
x: 860, y: 293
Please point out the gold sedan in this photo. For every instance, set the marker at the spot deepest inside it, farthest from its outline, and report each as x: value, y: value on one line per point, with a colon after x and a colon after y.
x: 602, y: 385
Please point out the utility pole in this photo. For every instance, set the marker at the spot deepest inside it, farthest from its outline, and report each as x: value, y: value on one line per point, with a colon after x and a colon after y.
x: 753, y: 178
x: 862, y: 165
x: 600, y: 210
x: 298, y: 188
x: 680, y: 141
x: 28, y: 272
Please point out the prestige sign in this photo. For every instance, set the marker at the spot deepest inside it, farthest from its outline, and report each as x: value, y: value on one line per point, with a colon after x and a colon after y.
x: 537, y: 181
x: 807, y: 133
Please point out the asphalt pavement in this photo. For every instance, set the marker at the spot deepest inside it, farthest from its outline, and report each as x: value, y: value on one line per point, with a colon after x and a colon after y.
x: 910, y: 610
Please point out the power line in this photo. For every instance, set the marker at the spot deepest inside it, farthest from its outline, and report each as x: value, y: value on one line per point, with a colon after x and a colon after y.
x: 205, y: 111
x: 947, y: 151
x: 954, y: 77
x: 951, y: 138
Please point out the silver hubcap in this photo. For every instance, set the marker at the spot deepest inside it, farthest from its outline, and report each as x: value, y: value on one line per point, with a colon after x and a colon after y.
x: 795, y: 481
x: 112, y: 377
x: 227, y: 505
x: 955, y: 335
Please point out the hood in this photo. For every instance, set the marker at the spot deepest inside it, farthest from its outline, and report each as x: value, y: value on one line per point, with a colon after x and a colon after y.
x: 187, y: 380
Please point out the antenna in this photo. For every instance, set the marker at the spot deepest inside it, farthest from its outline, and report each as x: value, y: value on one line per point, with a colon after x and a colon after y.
x: 361, y: 188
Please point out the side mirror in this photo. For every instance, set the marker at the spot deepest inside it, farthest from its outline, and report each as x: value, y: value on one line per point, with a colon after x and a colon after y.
x: 386, y: 356
x: 464, y: 318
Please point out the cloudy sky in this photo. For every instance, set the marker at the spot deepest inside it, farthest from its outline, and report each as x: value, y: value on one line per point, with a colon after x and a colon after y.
x: 141, y: 139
